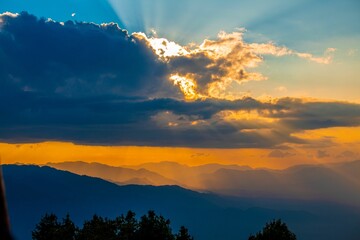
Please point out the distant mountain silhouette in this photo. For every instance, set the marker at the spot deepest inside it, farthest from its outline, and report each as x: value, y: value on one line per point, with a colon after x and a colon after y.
x: 157, y: 174
x: 32, y: 191
x: 172, y: 168
x: 120, y: 175
x: 335, y: 182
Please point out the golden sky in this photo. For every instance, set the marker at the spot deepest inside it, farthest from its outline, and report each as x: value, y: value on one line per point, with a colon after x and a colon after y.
x: 344, y: 142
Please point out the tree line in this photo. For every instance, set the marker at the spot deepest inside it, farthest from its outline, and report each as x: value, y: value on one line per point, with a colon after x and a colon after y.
x: 126, y: 227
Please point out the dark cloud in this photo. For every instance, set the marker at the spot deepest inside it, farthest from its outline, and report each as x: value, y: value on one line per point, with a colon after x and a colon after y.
x: 120, y: 120
x: 300, y: 114
x: 74, y: 59
x: 96, y: 84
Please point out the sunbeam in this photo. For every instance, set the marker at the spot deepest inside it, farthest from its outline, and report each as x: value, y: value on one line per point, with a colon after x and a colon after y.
x: 130, y: 13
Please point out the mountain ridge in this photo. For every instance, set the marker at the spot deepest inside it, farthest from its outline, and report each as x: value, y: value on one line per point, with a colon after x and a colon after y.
x: 297, y: 182
x: 32, y: 191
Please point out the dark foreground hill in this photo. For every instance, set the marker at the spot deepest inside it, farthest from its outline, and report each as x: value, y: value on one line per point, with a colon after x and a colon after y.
x: 32, y: 191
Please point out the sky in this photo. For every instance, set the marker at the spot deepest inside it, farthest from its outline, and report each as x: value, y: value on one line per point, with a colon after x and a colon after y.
x: 258, y: 83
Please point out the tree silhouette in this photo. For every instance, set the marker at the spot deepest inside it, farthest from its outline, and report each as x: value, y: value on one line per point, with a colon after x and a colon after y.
x: 150, y: 227
x: 126, y: 226
x: 276, y: 229
x: 68, y: 228
x: 153, y: 227
x: 49, y: 228
x: 98, y: 228
x: 183, y: 234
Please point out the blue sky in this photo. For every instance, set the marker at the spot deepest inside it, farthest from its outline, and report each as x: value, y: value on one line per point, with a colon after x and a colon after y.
x: 294, y: 23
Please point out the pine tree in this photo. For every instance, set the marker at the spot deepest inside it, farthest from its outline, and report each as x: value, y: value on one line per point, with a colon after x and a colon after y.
x: 183, y: 234
x: 276, y: 229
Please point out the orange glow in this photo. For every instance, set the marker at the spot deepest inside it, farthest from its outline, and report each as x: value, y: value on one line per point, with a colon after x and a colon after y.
x: 187, y: 86
x: 337, y: 134
x: 41, y: 153
x: 251, y: 115
x: 344, y: 141
x: 162, y: 46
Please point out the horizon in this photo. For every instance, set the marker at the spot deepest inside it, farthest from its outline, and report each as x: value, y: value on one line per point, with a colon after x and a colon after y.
x: 133, y: 164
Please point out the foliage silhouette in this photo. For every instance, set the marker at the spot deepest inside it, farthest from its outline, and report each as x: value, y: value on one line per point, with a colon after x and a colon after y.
x: 183, y: 234
x: 153, y: 227
x: 49, y: 228
x: 98, y: 228
x: 150, y: 227
x: 126, y: 226
x: 275, y: 229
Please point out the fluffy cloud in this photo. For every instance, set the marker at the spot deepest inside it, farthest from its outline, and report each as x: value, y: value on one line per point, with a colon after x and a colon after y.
x: 208, y: 69
x: 97, y: 84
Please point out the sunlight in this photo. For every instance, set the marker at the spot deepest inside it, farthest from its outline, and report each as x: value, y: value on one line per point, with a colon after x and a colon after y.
x: 165, y: 48
x: 130, y: 14
x: 44, y: 152
x: 252, y: 115
x: 162, y: 47
x: 187, y: 86
x: 342, y: 135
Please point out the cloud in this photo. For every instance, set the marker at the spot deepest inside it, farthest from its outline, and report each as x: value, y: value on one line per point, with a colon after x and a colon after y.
x: 327, y: 59
x: 127, y: 121
x: 74, y: 59
x: 322, y: 154
x: 151, y: 122
x: 87, y: 58
x: 314, y: 114
x: 347, y: 155
x: 208, y: 69
x: 352, y: 52
x: 281, y: 89
x: 98, y: 84
x: 280, y: 154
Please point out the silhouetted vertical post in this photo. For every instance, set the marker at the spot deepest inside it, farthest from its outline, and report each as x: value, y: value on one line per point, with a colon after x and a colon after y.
x: 4, y: 217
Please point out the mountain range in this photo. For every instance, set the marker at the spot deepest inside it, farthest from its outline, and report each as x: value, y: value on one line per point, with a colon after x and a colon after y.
x: 333, y: 182
x: 33, y: 191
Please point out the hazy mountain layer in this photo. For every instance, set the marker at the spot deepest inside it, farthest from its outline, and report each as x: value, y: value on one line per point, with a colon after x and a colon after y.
x: 32, y: 191
x: 337, y: 182
x: 118, y: 175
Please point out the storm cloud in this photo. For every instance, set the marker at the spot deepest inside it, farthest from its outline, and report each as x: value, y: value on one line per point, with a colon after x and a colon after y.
x: 75, y: 59
x: 98, y: 84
